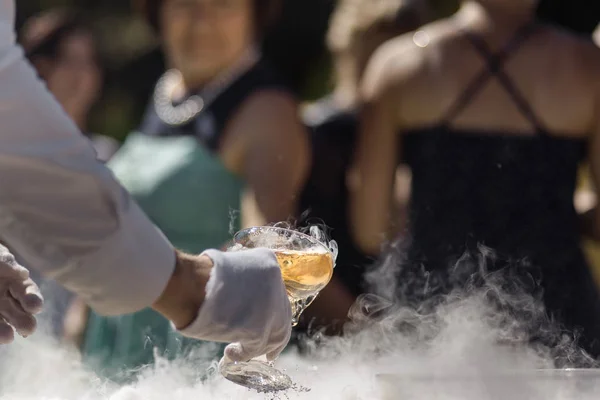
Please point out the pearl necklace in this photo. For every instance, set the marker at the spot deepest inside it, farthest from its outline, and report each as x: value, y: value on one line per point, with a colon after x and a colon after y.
x: 193, y: 105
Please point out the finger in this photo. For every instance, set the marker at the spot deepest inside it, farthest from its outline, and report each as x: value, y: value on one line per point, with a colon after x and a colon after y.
x: 237, y: 353
x: 9, y: 267
x: 23, y: 322
x: 7, y: 334
x: 28, y: 294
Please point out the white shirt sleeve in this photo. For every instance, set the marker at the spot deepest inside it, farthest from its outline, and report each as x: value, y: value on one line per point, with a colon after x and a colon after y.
x: 61, y: 210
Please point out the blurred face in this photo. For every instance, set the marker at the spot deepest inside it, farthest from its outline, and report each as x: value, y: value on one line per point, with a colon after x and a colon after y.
x: 74, y: 76
x: 78, y: 56
x: 203, y: 37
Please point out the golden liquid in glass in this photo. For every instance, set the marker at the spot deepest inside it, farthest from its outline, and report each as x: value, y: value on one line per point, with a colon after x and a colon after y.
x: 304, y: 273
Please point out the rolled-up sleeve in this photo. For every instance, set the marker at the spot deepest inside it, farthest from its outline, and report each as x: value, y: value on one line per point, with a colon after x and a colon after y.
x: 62, y: 211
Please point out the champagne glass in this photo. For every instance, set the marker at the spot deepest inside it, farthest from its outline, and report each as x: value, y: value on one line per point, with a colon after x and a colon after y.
x: 306, y: 263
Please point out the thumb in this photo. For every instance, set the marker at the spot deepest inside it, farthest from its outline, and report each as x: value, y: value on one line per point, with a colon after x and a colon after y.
x: 238, y: 353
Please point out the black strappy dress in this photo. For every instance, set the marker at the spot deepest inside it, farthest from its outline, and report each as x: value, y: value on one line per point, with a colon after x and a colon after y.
x: 502, y: 198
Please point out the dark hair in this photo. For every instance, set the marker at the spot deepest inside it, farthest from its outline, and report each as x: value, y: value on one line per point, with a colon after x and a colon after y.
x: 43, y: 34
x: 266, y: 13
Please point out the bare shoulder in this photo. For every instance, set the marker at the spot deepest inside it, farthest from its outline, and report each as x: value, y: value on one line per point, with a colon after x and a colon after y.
x: 269, y: 111
x: 580, y: 49
x: 390, y: 65
x: 277, y: 103
x: 269, y: 105
x: 400, y: 59
x: 266, y: 123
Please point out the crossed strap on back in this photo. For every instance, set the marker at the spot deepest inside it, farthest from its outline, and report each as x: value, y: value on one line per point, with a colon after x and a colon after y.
x: 494, y: 68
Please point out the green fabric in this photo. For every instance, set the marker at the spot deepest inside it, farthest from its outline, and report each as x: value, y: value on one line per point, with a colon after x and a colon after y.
x: 190, y: 195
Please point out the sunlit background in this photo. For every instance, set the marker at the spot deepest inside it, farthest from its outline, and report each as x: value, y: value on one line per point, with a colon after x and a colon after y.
x: 295, y: 46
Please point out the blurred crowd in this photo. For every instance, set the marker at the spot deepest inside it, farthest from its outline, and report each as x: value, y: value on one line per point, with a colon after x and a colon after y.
x: 441, y: 134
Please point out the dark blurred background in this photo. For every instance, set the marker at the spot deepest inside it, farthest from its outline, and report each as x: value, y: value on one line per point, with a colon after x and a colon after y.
x: 133, y: 61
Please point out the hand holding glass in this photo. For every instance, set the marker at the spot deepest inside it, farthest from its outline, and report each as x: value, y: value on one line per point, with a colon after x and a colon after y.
x: 306, y: 267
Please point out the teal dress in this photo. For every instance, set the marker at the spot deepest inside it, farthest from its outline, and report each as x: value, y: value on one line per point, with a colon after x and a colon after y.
x: 176, y: 176
x: 190, y: 195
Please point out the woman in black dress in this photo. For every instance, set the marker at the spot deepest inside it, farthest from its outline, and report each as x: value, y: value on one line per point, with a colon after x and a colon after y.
x: 493, y: 112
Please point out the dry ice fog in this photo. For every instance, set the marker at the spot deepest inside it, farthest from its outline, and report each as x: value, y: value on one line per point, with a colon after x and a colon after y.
x: 474, y: 343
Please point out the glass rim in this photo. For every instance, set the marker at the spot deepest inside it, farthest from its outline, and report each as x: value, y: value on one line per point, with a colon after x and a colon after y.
x: 280, y: 229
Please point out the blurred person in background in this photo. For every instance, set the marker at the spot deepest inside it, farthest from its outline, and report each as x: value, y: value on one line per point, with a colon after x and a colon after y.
x: 221, y: 137
x: 62, y: 48
x: 356, y: 29
x: 493, y: 111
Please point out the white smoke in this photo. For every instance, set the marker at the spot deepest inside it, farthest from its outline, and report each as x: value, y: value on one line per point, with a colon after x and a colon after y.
x: 453, y: 354
x: 467, y: 345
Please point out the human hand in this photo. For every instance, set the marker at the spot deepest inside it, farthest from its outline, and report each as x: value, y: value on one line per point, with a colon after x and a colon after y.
x: 20, y: 298
x: 245, y: 304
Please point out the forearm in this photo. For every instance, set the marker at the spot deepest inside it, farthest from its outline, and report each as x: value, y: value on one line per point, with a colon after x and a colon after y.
x: 62, y: 211
x: 371, y: 184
